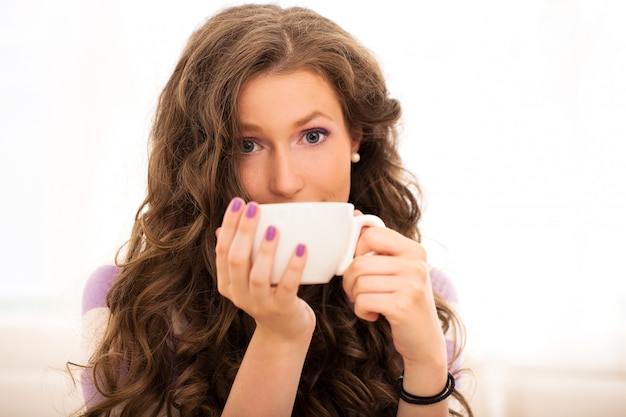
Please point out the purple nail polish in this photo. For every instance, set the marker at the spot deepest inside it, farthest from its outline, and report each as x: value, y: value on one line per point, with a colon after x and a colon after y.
x: 236, y: 205
x: 251, y: 211
x: 300, y: 250
x: 270, y: 233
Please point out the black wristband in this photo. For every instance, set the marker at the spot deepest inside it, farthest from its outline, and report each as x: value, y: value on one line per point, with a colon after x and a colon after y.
x: 414, y: 399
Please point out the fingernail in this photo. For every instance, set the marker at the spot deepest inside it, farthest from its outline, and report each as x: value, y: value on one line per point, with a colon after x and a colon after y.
x: 236, y: 205
x: 251, y: 211
x: 300, y: 250
x: 270, y: 233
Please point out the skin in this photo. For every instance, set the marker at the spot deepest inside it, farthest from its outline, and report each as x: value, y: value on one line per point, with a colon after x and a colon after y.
x: 300, y: 144
x: 297, y: 148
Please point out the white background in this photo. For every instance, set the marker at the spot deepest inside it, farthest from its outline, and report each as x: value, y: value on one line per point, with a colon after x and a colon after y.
x: 514, y: 123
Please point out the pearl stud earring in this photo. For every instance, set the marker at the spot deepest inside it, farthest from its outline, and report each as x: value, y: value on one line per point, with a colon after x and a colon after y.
x: 355, y: 157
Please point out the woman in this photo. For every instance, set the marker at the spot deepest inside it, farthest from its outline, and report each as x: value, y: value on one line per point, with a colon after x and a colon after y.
x: 272, y: 105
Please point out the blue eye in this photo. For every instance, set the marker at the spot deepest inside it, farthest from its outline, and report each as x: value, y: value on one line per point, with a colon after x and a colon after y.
x: 247, y: 146
x: 315, y: 136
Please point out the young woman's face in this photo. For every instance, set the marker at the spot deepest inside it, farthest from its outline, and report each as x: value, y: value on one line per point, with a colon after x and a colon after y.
x: 294, y: 141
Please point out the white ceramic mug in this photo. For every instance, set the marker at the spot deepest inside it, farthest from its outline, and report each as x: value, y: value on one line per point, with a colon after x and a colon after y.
x: 329, y: 230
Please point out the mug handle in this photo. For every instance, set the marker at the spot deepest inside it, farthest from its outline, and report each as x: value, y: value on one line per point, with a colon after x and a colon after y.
x: 358, y: 222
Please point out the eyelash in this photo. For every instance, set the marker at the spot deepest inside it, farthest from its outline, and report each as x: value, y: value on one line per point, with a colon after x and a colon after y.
x: 244, y: 141
x: 318, y: 130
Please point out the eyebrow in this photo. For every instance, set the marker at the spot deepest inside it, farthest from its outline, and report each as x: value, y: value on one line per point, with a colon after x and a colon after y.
x: 308, y: 118
x: 304, y: 120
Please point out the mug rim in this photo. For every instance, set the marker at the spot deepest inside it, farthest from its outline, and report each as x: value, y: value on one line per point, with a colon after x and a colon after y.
x: 307, y: 203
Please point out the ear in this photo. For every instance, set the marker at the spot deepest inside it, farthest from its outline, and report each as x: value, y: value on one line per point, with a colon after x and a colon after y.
x: 356, y: 133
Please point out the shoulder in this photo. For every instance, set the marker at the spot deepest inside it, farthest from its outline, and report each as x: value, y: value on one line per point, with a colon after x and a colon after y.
x: 95, y: 311
x: 443, y: 285
x: 97, y: 287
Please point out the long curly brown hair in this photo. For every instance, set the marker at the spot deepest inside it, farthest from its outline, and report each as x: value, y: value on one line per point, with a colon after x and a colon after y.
x: 173, y: 344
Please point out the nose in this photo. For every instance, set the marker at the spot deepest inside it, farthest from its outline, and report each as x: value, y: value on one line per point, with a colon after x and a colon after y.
x: 285, y: 177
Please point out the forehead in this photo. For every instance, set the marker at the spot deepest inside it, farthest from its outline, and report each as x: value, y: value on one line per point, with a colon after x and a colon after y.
x: 285, y: 96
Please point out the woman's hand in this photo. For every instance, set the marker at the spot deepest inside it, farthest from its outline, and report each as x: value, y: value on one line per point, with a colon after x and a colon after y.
x: 267, y: 379
x: 279, y: 314
x: 395, y: 282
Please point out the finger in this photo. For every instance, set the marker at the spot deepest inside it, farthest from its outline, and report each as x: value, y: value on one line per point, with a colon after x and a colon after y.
x: 402, y: 305
x: 240, y: 252
x: 369, y: 306
x: 384, y: 274
x: 231, y: 220
x: 367, y: 265
x: 365, y: 306
x: 222, y: 248
x: 261, y: 271
x: 386, y: 241
x: 291, y: 278
x: 370, y: 264
x: 379, y: 284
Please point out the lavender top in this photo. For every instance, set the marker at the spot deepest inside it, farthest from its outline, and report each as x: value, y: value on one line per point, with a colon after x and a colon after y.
x: 100, y: 282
